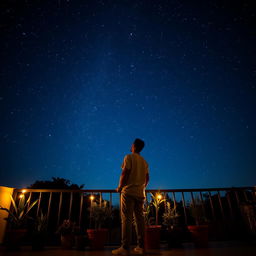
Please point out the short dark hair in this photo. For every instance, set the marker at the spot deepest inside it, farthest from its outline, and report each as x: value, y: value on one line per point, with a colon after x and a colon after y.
x: 139, y: 144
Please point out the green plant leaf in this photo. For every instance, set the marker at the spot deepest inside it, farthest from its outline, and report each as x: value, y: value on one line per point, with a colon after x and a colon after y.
x: 14, y: 204
x: 156, y: 202
x: 28, y: 201
x: 21, y: 205
x: 20, y: 215
x: 31, y: 206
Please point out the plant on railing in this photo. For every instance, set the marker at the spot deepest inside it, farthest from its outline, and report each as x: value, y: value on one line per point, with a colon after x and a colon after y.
x: 199, y: 232
x: 41, y: 223
x: 39, y: 232
x: 80, y: 237
x: 17, y: 221
x: 157, y: 200
x: 174, y: 234
x: 248, y: 212
x: 170, y: 216
x: 152, y: 232
x: 66, y: 230
x: 148, y: 219
x: 18, y: 217
x: 100, y: 214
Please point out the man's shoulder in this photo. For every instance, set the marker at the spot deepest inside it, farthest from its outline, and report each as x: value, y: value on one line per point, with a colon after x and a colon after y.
x: 128, y: 155
x: 136, y: 157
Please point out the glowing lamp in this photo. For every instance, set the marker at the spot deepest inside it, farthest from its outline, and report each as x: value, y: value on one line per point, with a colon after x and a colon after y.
x: 91, y: 197
x: 159, y: 196
x: 21, y: 196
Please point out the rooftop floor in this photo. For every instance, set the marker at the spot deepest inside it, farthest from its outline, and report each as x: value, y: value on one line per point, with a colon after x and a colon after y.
x: 214, y: 249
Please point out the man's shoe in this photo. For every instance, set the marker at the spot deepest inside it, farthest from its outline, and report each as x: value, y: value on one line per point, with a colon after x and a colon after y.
x: 120, y: 251
x: 138, y: 250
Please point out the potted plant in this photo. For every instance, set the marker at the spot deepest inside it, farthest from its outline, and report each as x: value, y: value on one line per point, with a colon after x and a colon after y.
x: 66, y: 231
x: 174, y: 231
x: 39, y: 232
x: 17, y: 219
x: 200, y: 229
x: 170, y: 216
x: 152, y: 232
x: 99, y: 215
x: 248, y: 212
x: 80, y: 238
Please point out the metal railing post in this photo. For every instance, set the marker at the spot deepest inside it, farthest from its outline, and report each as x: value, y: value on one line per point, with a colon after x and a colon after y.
x: 212, y: 208
x: 70, y: 205
x: 38, y: 204
x: 59, y: 210
x: 184, y: 208
x: 81, y: 208
x: 49, y: 207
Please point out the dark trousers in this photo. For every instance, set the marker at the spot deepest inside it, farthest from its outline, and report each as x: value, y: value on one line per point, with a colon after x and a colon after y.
x: 132, y: 207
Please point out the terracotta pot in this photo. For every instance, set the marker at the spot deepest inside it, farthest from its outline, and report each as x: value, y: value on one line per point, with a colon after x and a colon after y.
x: 14, y: 238
x: 199, y: 235
x: 152, y: 237
x: 97, y: 238
x: 66, y: 241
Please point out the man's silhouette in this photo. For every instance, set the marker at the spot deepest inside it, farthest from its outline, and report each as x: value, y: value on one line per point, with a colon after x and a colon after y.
x: 132, y: 184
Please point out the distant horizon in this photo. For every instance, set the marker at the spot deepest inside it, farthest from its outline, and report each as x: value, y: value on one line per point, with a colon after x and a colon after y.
x: 148, y: 188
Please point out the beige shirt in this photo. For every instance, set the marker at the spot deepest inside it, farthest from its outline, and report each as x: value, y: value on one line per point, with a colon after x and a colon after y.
x: 137, y: 178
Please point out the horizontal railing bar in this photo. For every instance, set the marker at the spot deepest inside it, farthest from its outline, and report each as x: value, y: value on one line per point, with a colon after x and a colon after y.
x: 68, y: 190
x: 147, y: 191
x: 202, y: 189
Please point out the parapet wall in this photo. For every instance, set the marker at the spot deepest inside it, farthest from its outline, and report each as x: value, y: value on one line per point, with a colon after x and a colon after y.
x: 5, y: 201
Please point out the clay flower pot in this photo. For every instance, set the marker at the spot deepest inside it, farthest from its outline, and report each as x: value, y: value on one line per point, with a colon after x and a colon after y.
x: 97, y: 238
x: 152, y: 237
x: 14, y: 238
x: 199, y: 235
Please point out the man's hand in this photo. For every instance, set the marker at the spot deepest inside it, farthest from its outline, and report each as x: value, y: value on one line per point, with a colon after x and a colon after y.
x: 119, y: 189
x: 123, y: 179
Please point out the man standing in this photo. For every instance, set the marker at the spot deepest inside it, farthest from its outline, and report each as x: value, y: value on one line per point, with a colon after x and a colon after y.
x: 132, y: 184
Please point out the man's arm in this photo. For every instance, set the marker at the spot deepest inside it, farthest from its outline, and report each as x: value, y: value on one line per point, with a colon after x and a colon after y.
x: 123, y: 179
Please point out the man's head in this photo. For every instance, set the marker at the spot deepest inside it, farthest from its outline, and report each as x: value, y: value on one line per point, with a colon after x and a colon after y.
x: 137, y: 146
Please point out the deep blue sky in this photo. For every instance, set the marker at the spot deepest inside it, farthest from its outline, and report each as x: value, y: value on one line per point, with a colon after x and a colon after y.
x: 80, y: 80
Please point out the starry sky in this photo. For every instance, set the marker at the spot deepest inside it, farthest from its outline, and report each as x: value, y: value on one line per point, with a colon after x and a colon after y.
x: 80, y: 80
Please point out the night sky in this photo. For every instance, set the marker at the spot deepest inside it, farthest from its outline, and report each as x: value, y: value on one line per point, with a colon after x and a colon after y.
x: 80, y: 80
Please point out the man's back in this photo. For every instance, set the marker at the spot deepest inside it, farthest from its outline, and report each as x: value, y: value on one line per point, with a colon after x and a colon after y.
x: 137, y: 178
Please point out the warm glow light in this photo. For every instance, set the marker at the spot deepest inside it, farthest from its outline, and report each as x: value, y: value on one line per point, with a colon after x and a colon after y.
x: 21, y: 196
x: 91, y: 197
x: 23, y: 191
x: 159, y: 196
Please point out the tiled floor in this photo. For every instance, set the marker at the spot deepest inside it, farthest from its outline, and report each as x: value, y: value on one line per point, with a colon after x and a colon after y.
x: 214, y: 249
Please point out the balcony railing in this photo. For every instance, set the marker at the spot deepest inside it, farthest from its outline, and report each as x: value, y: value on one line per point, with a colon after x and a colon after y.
x: 222, y: 205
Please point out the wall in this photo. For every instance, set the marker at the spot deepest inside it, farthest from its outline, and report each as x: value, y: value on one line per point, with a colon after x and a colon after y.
x: 5, y: 201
